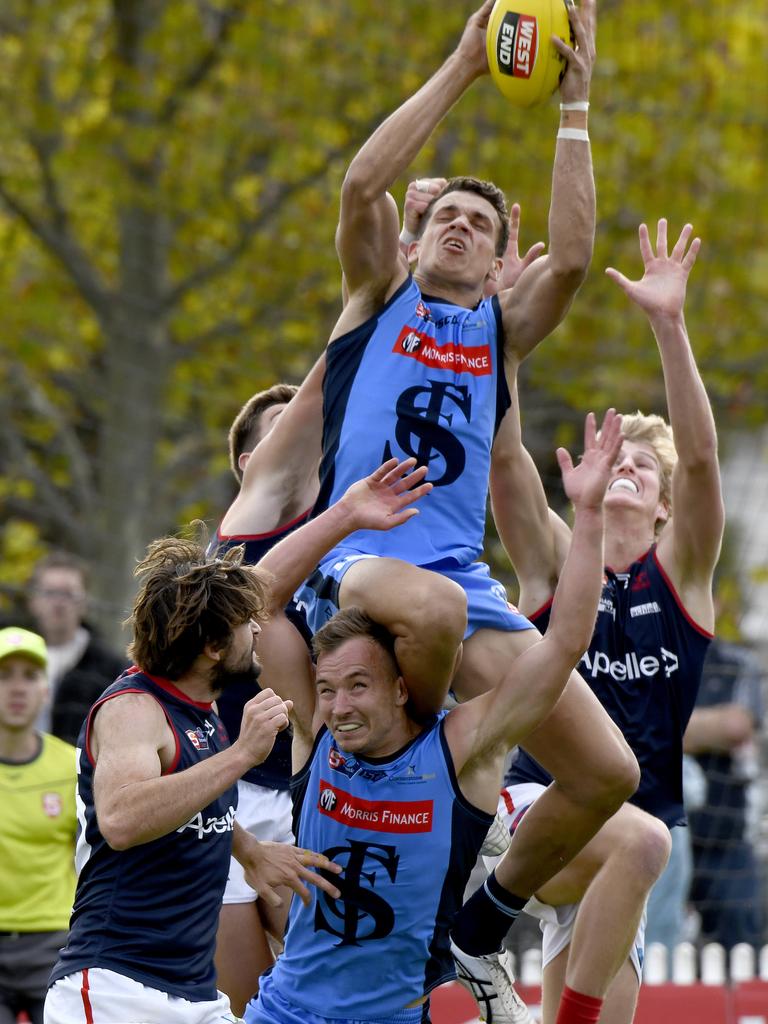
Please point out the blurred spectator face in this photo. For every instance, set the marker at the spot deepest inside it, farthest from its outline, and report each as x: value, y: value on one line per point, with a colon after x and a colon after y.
x: 58, y: 602
x: 23, y: 692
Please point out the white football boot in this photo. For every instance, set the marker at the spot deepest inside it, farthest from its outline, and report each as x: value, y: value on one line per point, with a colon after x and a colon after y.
x: 490, y: 980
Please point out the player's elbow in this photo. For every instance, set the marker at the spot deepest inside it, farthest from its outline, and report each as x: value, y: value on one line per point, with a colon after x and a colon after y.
x: 699, y: 461
x: 737, y: 727
x: 117, y: 832
x: 116, y: 838
x: 570, y: 641
x: 569, y: 270
x: 509, y: 461
x: 359, y: 187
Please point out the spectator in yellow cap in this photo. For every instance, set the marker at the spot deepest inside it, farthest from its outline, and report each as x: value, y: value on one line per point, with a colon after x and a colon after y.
x: 37, y: 829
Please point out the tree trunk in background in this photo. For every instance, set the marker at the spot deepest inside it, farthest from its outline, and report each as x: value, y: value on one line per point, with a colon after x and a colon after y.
x: 137, y: 364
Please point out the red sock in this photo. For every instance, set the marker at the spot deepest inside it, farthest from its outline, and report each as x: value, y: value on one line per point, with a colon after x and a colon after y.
x: 576, y: 1008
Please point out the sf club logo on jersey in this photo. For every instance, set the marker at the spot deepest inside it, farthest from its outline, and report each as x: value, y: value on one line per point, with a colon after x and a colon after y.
x: 456, y: 358
x: 421, y: 412
x: 349, y: 767
x: 376, y: 815
x: 360, y: 914
x: 336, y: 759
x: 423, y: 312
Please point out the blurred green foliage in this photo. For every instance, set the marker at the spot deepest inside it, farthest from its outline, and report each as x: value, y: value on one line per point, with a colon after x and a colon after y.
x: 169, y: 177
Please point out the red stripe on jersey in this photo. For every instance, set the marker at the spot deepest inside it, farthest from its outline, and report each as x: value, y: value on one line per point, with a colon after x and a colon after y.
x: 92, y: 715
x: 540, y: 611
x: 264, y: 536
x: 167, y: 685
x: 177, y: 739
x: 145, y: 693
x: 678, y: 600
x: 86, y: 998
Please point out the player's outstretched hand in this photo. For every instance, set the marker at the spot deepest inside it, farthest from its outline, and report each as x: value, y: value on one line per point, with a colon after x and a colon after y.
x: 661, y: 290
x: 581, y: 58
x: 585, y: 483
x: 471, y: 46
x: 264, y: 716
x: 514, y: 263
x: 271, y: 866
x: 381, y: 500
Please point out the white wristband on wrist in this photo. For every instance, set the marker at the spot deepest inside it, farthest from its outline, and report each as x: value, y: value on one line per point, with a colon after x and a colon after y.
x: 576, y: 134
x: 575, y: 105
x: 406, y: 236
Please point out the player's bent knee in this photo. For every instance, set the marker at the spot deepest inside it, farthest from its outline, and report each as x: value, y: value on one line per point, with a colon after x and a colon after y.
x: 436, y: 610
x: 624, y: 776
x: 644, y: 848
x: 655, y: 847
x: 628, y: 775
x: 612, y: 782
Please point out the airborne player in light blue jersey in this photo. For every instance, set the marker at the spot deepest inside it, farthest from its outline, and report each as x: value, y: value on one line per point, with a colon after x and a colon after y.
x: 418, y: 365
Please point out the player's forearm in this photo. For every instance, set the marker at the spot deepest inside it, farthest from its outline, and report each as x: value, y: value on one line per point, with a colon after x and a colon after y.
x: 297, y: 555
x: 690, y: 412
x: 534, y: 310
x: 520, y: 509
x: 574, y: 608
x: 140, y: 812
x: 292, y: 446
x: 395, y: 143
x: 718, y: 729
x: 287, y: 666
x: 572, y: 207
x: 244, y: 845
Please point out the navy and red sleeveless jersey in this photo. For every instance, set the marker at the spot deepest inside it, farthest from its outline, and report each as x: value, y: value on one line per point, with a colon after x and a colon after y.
x: 275, y: 771
x: 151, y: 912
x: 644, y: 664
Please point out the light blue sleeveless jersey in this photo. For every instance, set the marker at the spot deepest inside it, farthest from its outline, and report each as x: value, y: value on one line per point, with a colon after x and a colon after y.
x: 408, y: 840
x: 422, y: 378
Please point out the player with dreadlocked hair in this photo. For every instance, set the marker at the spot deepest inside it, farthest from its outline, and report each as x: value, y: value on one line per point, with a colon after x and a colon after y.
x: 157, y: 794
x: 187, y: 600
x: 157, y: 777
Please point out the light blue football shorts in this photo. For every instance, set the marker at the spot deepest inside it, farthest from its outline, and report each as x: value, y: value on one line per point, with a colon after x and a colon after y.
x: 270, y: 1007
x: 487, y: 603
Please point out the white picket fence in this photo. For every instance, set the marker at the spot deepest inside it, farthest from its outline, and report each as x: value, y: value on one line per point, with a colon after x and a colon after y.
x: 708, y: 986
x: 712, y: 966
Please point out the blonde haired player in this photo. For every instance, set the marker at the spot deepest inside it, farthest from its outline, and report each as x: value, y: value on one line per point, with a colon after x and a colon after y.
x: 664, y: 522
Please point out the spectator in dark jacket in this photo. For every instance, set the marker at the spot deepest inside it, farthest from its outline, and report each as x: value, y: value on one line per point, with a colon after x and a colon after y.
x: 722, y: 733
x: 80, y: 666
